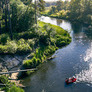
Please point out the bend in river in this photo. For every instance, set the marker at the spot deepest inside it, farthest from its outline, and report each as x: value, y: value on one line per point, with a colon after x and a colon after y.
x: 72, y: 60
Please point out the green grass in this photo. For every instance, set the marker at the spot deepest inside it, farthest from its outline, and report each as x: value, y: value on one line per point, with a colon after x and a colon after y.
x: 58, y: 29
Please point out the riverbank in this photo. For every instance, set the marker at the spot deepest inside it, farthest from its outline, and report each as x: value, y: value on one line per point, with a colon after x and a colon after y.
x: 65, y: 15
x: 58, y: 37
x: 38, y: 47
x: 48, y: 38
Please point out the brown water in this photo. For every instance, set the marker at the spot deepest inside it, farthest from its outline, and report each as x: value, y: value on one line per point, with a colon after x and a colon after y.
x: 72, y: 60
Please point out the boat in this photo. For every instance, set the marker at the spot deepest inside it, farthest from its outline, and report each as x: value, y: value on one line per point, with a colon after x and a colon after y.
x: 70, y: 80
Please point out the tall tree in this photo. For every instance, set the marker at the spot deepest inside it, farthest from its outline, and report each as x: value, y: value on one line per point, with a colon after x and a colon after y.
x: 41, y: 5
x: 6, y: 14
x: 0, y: 15
x: 35, y: 11
x: 59, y: 5
x: 75, y: 9
x: 10, y: 26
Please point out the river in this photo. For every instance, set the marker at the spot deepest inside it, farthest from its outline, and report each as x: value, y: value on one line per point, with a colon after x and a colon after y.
x: 72, y: 60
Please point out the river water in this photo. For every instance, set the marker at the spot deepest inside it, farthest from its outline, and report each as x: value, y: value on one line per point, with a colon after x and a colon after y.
x: 72, y: 60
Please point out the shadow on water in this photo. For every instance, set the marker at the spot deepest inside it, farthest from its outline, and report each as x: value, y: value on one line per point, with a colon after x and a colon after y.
x: 76, y: 27
x: 42, y: 72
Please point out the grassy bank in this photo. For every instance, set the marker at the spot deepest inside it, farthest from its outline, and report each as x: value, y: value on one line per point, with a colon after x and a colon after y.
x: 60, y: 38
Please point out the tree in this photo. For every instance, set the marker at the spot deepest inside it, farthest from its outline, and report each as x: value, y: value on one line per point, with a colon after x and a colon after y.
x: 75, y: 9
x: 27, y: 2
x: 10, y: 26
x: 0, y: 16
x: 52, y: 10
x: 41, y: 5
x: 59, y: 5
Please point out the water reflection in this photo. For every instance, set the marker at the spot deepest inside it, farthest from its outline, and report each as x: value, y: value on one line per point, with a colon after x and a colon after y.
x: 86, y: 74
x: 59, y: 21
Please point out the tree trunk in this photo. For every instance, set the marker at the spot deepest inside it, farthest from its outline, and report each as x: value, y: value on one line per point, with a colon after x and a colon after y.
x: 10, y: 27
x: 6, y: 27
x: 0, y: 15
x: 35, y: 12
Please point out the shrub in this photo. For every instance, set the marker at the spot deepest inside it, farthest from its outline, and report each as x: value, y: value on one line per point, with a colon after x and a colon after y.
x: 50, y: 50
x: 31, y: 42
x: 38, y: 61
x: 28, y: 63
x: 23, y: 46
x: 34, y: 60
x: 15, y: 89
x: 11, y: 47
x: 3, y: 79
x: 3, y: 49
x: 62, y: 41
x: 44, y: 39
x: 4, y: 38
x: 24, y: 35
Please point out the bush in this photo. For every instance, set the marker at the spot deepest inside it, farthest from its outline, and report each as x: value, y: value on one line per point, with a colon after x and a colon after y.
x: 44, y: 39
x: 49, y: 50
x: 31, y: 42
x: 31, y: 63
x: 38, y: 61
x: 4, y: 38
x: 23, y: 46
x: 15, y: 89
x: 62, y: 41
x: 11, y: 47
x: 3, y: 49
x: 28, y: 63
x: 3, y: 79
x: 24, y: 35
x: 34, y: 60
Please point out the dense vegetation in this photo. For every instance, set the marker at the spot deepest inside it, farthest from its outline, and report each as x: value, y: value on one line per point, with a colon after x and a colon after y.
x: 9, y: 86
x: 21, y: 33
x: 50, y: 38
x: 75, y: 10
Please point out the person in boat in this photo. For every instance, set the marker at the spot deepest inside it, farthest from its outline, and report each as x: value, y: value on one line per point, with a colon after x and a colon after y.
x: 73, y: 78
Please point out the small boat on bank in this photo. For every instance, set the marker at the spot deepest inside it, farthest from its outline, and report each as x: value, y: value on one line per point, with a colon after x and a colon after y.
x: 70, y: 80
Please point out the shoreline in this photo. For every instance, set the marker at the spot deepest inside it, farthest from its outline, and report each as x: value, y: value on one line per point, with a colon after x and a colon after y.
x: 51, y: 48
x: 72, y: 21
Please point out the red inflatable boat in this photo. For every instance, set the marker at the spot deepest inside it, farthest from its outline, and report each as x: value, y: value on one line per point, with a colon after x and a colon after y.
x: 70, y: 80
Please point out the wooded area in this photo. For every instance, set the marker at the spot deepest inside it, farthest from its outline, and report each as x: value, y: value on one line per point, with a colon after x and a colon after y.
x: 17, y: 15
x: 75, y: 10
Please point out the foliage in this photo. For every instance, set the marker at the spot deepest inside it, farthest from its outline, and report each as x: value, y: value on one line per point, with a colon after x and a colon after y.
x: 62, y: 41
x: 75, y: 10
x: 54, y: 37
x: 16, y: 15
x: 4, y: 38
x: 23, y: 46
x: 15, y: 89
x: 39, y: 56
x: 13, y: 47
x: 41, y: 5
x: 10, y: 87
x: 3, y: 79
